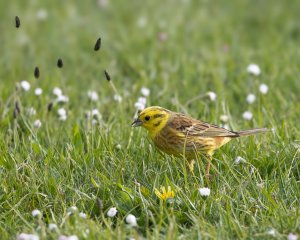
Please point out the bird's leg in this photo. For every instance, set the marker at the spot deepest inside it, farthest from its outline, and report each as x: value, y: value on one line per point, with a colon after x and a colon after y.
x: 209, y: 156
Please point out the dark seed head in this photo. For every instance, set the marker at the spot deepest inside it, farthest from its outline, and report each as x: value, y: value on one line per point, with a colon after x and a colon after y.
x: 17, y: 107
x: 17, y: 21
x: 60, y: 63
x: 15, y: 114
x: 98, y: 44
x: 107, y: 75
x: 36, y: 72
x: 50, y: 106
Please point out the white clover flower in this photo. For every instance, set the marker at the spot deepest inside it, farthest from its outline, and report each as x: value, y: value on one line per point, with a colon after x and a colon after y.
x: 239, y: 159
x: 226, y: 126
x: 57, y: 91
x: 73, y: 209
x: 142, y: 100
x: 263, y: 88
x: 37, y: 123
x: 292, y: 236
x: 62, y: 98
x: 142, y: 22
x: 94, y: 121
x: 63, y: 118
x: 250, y: 98
x: 31, y: 111
x: 253, y: 69
x: 131, y: 220
x: 62, y: 112
x: 73, y: 237
x: 119, y: 146
x: 204, y: 191
x: 82, y: 215
x: 271, y: 232
x: 247, y: 115
x: 95, y: 112
x: 92, y: 95
x: 38, y: 91
x: 42, y: 14
x: 117, y: 98
x: 212, y: 96
x: 139, y: 106
x: 25, y: 236
x: 224, y: 118
x: 145, y: 91
x: 112, y: 212
x: 25, y: 85
x: 52, y: 226
x: 36, y: 212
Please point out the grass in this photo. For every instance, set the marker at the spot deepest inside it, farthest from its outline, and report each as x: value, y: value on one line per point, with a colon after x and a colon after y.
x: 95, y: 167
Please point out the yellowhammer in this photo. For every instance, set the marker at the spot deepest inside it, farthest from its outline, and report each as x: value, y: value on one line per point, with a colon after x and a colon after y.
x: 180, y: 135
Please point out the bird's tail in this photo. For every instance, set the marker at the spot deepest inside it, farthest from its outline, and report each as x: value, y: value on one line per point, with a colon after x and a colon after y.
x: 252, y: 131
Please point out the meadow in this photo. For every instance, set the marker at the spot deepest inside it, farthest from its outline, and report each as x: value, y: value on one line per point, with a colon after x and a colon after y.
x: 71, y: 165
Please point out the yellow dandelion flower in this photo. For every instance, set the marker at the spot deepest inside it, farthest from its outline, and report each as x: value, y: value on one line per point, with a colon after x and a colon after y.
x: 164, y: 194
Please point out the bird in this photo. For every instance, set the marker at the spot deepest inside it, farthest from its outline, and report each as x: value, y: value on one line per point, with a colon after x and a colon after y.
x: 183, y: 136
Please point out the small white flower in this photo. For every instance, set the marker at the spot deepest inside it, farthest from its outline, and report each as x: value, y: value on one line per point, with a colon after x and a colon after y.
x: 73, y: 237
x: 36, y: 212
x: 62, y: 99
x: 95, y: 112
x: 41, y: 14
x: 142, y: 100
x: 93, y: 96
x: 57, y: 91
x: 25, y: 85
x: 139, y: 106
x: 112, y: 212
x: 131, y: 220
x: 37, y: 123
x: 31, y: 111
x: 204, y: 191
x: 38, y: 91
x: 145, y: 91
x: 82, y: 215
x: 119, y: 146
x: 239, y: 159
x: 62, y: 112
x: 226, y: 126
x: 263, y: 88
x: 52, y: 226
x: 212, y: 96
x: 117, y: 98
x: 253, y: 69
x: 247, y: 115
x: 251, y: 98
x: 271, y: 232
x: 63, y: 118
x: 142, y: 22
x: 73, y: 209
x: 292, y: 236
x: 25, y: 236
x: 94, y: 121
x: 224, y: 118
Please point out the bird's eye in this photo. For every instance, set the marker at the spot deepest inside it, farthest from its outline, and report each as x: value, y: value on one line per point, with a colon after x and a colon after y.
x: 147, y: 118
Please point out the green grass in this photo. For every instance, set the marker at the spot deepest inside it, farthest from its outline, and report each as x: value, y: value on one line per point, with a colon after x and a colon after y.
x: 75, y: 163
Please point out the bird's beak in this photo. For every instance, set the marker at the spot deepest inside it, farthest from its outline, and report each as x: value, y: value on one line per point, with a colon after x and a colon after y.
x: 136, y: 123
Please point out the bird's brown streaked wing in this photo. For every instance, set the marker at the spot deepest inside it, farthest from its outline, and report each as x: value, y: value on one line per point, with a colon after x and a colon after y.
x: 193, y: 127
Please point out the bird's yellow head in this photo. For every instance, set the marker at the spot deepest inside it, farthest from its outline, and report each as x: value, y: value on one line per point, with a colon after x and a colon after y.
x: 153, y: 119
